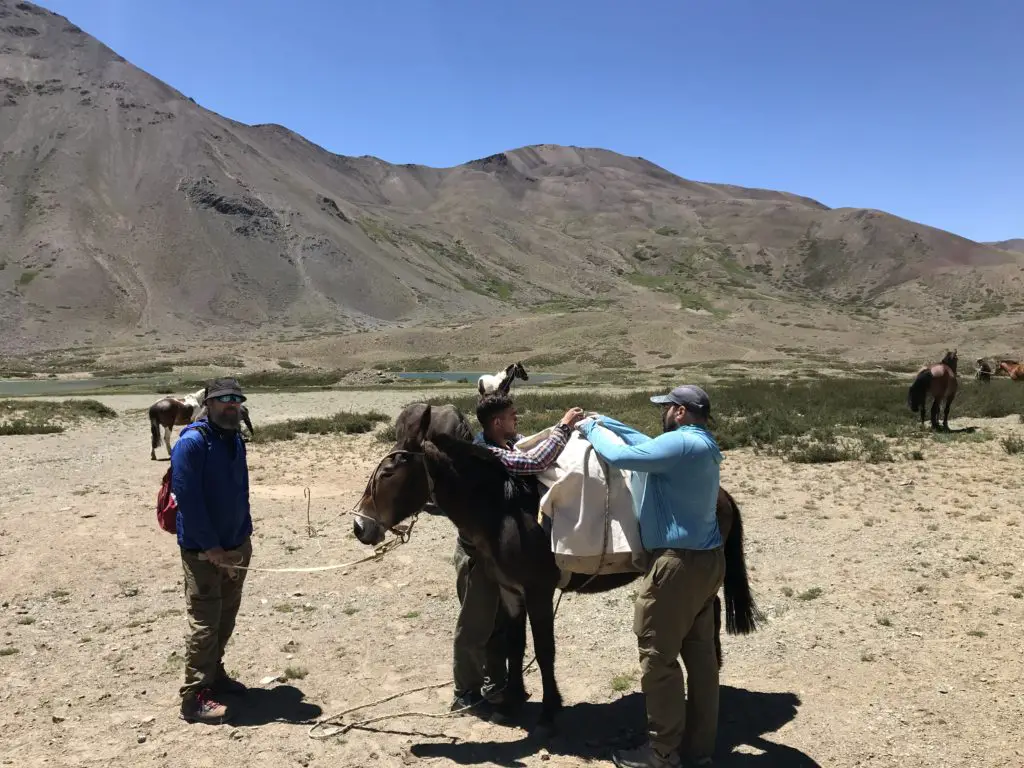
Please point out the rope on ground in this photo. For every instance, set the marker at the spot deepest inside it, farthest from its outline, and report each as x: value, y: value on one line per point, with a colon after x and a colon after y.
x: 378, y: 552
x: 343, y: 729
x: 340, y: 729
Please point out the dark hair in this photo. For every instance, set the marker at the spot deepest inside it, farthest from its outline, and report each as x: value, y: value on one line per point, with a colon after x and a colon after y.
x: 490, y: 406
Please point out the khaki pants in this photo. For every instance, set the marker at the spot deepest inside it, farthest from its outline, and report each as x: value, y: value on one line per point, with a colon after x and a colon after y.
x: 212, y: 598
x: 480, y: 654
x: 674, y: 616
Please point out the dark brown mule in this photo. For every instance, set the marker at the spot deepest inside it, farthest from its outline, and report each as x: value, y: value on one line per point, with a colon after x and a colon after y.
x: 168, y: 413
x: 940, y: 382
x: 434, y: 460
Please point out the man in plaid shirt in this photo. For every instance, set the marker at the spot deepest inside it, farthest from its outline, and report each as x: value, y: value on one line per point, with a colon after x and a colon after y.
x: 480, y: 665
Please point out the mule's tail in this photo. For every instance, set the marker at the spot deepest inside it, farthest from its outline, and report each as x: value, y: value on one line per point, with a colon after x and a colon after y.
x: 154, y: 427
x: 919, y: 390
x: 741, y: 612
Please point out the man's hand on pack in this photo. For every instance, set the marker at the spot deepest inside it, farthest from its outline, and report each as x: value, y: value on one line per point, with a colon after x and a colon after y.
x: 572, y: 417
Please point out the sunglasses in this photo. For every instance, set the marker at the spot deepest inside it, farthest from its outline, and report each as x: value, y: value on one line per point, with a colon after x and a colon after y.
x: 229, y: 398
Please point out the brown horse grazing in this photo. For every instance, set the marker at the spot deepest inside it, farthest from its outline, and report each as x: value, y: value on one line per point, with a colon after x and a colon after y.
x: 940, y: 382
x: 435, y: 460
x: 169, y: 412
x: 1013, y: 369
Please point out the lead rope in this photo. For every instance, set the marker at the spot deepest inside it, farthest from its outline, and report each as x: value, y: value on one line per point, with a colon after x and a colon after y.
x: 402, y: 532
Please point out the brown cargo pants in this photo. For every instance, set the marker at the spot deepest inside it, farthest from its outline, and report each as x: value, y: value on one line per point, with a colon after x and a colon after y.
x: 212, y: 598
x: 673, y: 616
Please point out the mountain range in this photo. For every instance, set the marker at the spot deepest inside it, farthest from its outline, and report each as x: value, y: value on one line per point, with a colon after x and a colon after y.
x: 130, y: 213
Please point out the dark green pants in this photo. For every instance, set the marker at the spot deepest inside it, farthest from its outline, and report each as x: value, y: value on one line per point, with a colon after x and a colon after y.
x: 480, y: 657
x: 212, y: 598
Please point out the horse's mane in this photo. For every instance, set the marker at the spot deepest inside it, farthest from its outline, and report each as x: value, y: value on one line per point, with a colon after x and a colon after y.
x: 469, y: 460
x: 469, y: 456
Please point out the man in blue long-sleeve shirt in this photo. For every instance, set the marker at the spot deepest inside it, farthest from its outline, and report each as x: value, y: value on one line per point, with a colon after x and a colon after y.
x: 675, y: 491
x: 210, y: 482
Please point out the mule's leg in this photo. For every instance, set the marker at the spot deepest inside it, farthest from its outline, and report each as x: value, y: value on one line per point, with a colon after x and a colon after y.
x: 511, y: 699
x: 515, y: 641
x: 945, y: 413
x: 167, y: 439
x: 542, y: 625
x: 935, y: 414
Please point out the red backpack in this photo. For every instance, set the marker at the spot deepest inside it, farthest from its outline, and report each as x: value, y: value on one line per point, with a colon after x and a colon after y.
x: 166, y: 503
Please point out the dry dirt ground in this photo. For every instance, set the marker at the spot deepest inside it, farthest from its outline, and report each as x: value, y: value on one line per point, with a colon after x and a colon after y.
x: 894, y: 594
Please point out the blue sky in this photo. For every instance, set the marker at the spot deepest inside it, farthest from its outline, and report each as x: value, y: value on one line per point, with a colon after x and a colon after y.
x: 915, y: 107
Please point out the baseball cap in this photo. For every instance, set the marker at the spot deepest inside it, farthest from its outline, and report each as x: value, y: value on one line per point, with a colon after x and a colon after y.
x: 227, y: 386
x: 688, y: 395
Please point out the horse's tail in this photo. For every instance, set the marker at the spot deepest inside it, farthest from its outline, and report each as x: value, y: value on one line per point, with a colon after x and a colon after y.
x: 919, y: 390
x: 741, y: 612
x: 154, y: 427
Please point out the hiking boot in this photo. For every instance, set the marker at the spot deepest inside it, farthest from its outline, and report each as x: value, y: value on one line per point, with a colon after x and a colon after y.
x: 646, y: 756
x: 202, y: 708
x: 471, y: 703
x: 224, y: 684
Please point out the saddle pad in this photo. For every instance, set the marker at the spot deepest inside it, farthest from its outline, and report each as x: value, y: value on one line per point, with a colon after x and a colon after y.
x: 593, y: 521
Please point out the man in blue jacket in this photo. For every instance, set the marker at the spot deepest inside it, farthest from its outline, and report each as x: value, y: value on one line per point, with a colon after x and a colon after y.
x: 210, y: 482
x: 675, y: 490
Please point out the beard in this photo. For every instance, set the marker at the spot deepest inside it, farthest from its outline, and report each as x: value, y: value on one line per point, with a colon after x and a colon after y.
x: 229, y: 420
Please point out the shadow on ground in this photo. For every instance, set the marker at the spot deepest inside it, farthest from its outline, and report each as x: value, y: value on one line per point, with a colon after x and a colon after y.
x: 280, y: 704
x: 591, y: 731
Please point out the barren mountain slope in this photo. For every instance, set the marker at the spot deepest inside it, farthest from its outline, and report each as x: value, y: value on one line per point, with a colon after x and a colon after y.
x: 127, y: 209
x: 1014, y: 244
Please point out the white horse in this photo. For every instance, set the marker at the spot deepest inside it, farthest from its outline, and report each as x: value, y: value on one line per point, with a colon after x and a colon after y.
x: 501, y: 382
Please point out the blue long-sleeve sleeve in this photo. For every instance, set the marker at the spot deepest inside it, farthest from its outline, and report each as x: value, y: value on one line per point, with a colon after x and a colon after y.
x: 194, y: 525
x: 656, y: 455
x: 627, y: 433
x: 675, y: 485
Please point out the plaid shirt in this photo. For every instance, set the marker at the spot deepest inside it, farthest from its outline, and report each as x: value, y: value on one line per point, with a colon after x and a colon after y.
x: 531, y: 462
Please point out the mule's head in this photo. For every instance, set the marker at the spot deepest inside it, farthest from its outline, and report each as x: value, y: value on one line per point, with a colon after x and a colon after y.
x: 399, y: 486
x: 519, y: 371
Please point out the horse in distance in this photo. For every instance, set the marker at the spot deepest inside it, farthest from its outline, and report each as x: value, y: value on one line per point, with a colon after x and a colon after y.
x: 1013, y: 369
x: 501, y: 382
x: 170, y: 412
x: 940, y: 382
